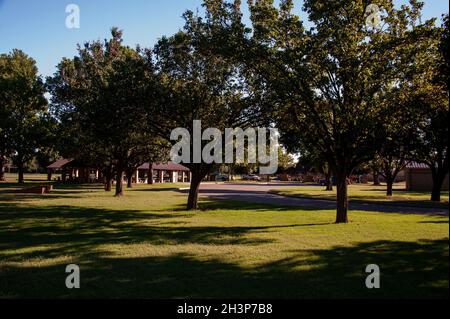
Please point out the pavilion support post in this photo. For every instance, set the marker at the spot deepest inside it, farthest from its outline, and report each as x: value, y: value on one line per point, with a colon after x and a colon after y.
x: 150, y: 176
x: 174, y: 176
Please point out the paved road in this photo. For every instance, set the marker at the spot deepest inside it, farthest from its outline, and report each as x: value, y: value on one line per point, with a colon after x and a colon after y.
x: 258, y: 193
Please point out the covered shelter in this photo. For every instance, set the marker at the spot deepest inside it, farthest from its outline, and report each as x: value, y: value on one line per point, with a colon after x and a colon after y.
x: 162, y: 173
x: 72, y: 170
x: 419, y: 178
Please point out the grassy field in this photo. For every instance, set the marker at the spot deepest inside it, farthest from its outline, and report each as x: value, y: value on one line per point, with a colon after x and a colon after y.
x: 145, y: 245
x: 368, y: 192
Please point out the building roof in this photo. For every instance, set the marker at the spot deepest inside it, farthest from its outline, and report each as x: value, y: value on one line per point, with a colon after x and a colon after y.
x: 161, y: 167
x: 417, y: 165
x: 60, y: 163
x: 170, y: 166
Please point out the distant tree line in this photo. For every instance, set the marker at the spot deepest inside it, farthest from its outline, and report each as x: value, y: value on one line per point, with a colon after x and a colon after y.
x: 348, y: 94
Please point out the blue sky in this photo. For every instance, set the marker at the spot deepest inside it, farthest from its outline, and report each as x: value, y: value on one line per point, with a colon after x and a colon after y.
x: 38, y: 27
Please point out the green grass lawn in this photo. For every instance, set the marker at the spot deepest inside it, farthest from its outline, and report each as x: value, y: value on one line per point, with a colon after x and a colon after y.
x: 368, y: 192
x: 145, y: 245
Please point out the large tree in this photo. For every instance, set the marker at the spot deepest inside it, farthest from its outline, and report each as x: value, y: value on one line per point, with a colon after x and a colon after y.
x: 99, y: 97
x: 429, y: 95
x: 327, y: 81
x: 23, y: 110
x: 425, y: 96
x: 400, y: 136
x: 203, y: 82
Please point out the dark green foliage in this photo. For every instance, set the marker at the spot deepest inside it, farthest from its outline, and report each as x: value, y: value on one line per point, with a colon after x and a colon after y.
x: 328, y: 84
x: 24, y: 119
x: 99, y: 98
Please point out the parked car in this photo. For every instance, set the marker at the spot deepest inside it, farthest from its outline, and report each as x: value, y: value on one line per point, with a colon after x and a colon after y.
x: 251, y: 177
x: 222, y: 178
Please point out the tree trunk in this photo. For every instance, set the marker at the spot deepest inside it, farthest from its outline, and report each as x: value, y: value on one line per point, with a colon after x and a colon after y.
x: 231, y: 173
x: 2, y: 165
x: 389, y: 187
x: 150, y: 174
x: 390, y: 178
x: 390, y: 173
x: 21, y: 179
x: 64, y: 175
x: 438, y: 179
x: 342, y: 199
x: 108, y: 184
x: 198, y: 174
x: 328, y: 182
x: 436, y: 193
x: 192, y: 203
x: 376, y: 178
x: 107, y: 177
x: 119, y: 182
x: 130, y: 179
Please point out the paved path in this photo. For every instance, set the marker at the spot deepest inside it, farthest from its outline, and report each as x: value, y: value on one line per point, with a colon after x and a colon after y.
x: 258, y: 193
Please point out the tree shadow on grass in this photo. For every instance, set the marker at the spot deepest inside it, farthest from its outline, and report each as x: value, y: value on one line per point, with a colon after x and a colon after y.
x: 56, y: 185
x: 9, y: 194
x: 76, y: 186
x: 315, y: 203
x: 63, y: 230
x: 408, y: 270
x: 161, y: 189
x: 18, y: 197
x: 227, y: 204
x: 65, y: 191
x: 435, y: 222
x: 400, y: 191
x: 6, y: 185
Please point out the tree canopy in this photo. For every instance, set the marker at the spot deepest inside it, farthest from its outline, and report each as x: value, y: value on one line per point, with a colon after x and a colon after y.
x: 327, y: 82
x: 202, y: 82
x: 24, y: 118
x: 362, y: 82
x: 99, y: 98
